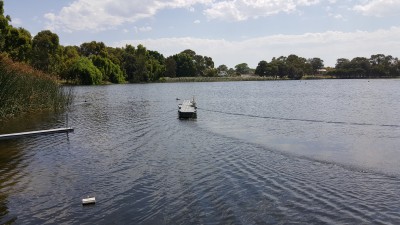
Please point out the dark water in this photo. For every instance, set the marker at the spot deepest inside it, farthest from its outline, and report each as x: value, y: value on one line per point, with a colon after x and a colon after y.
x: 314, y: 152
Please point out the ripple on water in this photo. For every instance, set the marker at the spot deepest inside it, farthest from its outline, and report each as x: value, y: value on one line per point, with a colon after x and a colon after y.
x: 146, y: 167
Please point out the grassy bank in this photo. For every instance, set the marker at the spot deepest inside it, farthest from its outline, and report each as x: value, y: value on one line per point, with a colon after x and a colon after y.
x: 23, y: 89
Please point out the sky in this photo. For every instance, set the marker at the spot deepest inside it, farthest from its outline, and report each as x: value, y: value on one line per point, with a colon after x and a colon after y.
x: 228, y: 31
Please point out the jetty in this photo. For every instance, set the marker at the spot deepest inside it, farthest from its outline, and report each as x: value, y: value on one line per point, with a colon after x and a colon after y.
x: 187, y: 109
x: 34, y: 133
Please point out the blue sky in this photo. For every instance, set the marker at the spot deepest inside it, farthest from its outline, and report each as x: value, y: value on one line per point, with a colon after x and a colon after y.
x: 229, y: 31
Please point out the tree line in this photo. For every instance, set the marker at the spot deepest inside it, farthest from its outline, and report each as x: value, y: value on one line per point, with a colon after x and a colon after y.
x: 294, y: 67
x: 95, y: 63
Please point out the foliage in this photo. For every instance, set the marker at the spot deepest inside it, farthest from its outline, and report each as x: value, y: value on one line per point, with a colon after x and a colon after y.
x: 24, y: 89
x: 170, y: 67
x: 93, y: 48
x: 18, y: 43
x: 44, y: 51
x: 83, y: 71
x: 185, y: 66
x: 316, y: 64
x: 110, y: 71
x: 377, y: 66
x: 189, y: 64
x: 222, y: 68
x: 242, y: 68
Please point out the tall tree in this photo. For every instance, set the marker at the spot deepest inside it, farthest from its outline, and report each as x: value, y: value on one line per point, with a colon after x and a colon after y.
x: 141, y: 74
x: 18, y: 43
x: 4, y: 26
x: 170, y: 67
x: 110, y: 71
x: 342, y: 63
x: 185, y: 66
x: 261, y: 69
x: 129, y: 62
x: 189, y: 52
x: 242, y: 68
x: 44, y: 51
x: 316, y: 64
x: 93, y: 48
x: 222, y: 67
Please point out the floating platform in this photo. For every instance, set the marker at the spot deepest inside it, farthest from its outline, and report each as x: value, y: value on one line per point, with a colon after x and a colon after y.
x: 187, y: 109
x: 33, y: 133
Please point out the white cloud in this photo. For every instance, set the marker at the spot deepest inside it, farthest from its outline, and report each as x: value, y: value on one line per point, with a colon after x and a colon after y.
x: 239, y: 10
x: 328, y: 46
x: 336, y: 16
x: 196, y: 21
x: 379, y: 8
x: 143, y: 29
x: 101, y: 15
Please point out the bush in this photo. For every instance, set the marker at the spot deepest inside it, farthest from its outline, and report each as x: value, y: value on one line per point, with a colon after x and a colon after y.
x: 84, y: 72
x: 110, y: 71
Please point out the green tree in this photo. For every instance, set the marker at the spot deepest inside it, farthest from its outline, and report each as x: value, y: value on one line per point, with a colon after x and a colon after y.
x: 200, y: 64
x: 242, y: 68
x: 129, y: 62
x: 115, y: 55
x: 69, y: 55
x: 18, y: 44
x: 210, y: 72
x: 44, y: 51
x: 93, y: 48
x: 262, y: 68
x: 110, y: 71
x: 222, y: 67
x: 4, y: 26
x: 170, y: 67
x: 360, y: 66
x: 155, y: 68
x: 342, y: 63
x: 141, y: 73
x: 298, y: 66
x: 279, y: 64
x: 189, y: 52
x: 209, y: 62
x: 316, y: 64
x: 185, y: 66
x: 84, y: 72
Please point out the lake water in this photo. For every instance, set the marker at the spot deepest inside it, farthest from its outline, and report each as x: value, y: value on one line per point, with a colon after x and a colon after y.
x: 275, y: 152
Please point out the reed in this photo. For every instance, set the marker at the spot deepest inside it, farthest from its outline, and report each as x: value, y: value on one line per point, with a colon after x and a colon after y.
x: 24, y: 89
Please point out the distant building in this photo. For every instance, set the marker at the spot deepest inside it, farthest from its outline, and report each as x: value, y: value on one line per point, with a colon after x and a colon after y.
x: 321, y: 71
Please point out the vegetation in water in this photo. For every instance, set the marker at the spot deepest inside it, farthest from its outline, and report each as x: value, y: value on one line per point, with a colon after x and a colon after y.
x: 24, y: 89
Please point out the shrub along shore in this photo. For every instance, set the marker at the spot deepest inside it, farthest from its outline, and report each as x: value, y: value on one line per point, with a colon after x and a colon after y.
x: 24, y: 89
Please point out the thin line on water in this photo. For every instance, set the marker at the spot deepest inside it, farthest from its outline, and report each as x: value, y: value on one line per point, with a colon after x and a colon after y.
x: 302, y: 120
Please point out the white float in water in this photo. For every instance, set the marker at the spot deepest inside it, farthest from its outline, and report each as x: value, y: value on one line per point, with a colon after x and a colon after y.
x: 88, y: 201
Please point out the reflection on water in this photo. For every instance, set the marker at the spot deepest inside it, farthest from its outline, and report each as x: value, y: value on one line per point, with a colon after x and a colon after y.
x: 258, y: 153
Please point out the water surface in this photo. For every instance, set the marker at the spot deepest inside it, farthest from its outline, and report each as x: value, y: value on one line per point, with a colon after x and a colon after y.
x: 308, y: 152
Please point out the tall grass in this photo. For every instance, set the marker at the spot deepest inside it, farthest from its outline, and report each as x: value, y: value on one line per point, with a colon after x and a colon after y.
x: 24, y: 89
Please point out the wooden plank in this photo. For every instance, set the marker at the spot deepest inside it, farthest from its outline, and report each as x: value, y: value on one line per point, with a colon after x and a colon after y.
x: 39, y: 132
